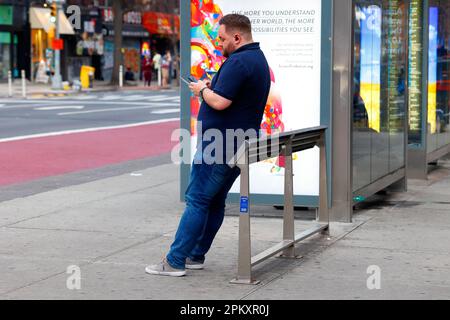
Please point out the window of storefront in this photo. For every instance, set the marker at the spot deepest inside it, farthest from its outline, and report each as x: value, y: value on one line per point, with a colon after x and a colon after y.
x: 438, y: 74
x: 6, y: 19
x: 6, y: 15
x: 5, y: 54
x: 42, y: 57
x: 379, y: 92
x: 132, y: 56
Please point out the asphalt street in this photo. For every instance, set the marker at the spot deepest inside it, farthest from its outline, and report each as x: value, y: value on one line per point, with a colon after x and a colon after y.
x: 40, y: 116
x: 49, y: 143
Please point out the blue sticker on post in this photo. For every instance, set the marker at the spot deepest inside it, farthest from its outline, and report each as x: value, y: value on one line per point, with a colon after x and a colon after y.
x: 244, y: 204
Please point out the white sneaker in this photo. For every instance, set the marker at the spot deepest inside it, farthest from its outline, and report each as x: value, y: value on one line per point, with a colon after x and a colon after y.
x: 164, y: 269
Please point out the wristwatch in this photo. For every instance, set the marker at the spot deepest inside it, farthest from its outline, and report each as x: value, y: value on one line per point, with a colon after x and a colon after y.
x: 201, y: 93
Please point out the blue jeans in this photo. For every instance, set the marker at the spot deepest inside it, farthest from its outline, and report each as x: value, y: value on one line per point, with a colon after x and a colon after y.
x: 205, y: 209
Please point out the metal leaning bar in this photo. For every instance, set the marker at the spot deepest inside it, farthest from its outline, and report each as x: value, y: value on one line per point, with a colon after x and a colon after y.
x: 256, y: 150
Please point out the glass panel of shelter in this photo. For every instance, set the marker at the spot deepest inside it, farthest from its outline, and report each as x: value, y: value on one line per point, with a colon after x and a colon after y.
x: 438, y: 74
x: 379, y: 89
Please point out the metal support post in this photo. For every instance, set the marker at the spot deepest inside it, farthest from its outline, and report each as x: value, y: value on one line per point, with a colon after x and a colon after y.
x: 57, y: 79
x: 24, y: 84
x: 254, y: 151
x: 341, y: 157
x: 121, y: 76
x: 288, y: 218
x: 323, y: 214
x: 159, y: 77
x: 244, y: 274
x: 10, y: 93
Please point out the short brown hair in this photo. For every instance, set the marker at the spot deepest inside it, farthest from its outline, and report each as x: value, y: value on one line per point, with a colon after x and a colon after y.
x: 237, y: 22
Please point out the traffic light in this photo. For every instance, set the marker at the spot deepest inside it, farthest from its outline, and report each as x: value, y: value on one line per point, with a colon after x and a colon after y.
x: 53, y: 12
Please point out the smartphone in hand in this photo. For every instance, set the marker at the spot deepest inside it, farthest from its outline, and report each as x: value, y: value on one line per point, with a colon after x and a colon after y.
x: 190, y: 79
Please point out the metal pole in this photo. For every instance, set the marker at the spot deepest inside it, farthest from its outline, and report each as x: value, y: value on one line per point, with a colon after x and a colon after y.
x: 121, y: 76
x: 288, y: 219
x: 244, y: 275
x: 324, y: 213
x: 57, y: 80
x: 24, y: 85
x: 342, y: 161
x: 10, y: 93
x: 159, y: 77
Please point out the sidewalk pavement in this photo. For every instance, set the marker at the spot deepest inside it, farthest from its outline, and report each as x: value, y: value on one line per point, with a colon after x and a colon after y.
x: 39, y: 90
x: 112, y: 228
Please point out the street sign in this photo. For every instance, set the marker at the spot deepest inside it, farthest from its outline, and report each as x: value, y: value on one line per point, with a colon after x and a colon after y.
x: 58, y: 44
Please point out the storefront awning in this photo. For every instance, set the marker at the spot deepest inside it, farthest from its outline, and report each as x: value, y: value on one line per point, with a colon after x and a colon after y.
x: 40, y: 19
x: 161, y: 23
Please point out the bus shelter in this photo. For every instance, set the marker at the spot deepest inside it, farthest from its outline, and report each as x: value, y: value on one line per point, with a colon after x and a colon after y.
x: 341, y: 64
x: 429, y: 135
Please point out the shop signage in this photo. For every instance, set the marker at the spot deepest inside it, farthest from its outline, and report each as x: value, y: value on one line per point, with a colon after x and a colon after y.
x: 161, y: 23
x: 290, y: 34
x: 89, y: 45
x: 108, y: 15
x: 58, y: 44
x: 92, y: 22
x: 132, y: 17
x: 5, y: 38
x: 6, y: 15
x: 89, y: 26
x: 145, y: 49
x: 131, y: 32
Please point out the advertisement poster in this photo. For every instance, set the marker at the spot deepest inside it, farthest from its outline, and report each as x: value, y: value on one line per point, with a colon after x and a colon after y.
x: 432, y: 68
x: 289, y: 32
x: 370, y: 67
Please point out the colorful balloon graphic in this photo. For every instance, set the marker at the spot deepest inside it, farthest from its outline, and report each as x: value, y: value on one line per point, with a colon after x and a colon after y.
x: 206, y: 55
x: 206, y: 59
x: 272, y: 120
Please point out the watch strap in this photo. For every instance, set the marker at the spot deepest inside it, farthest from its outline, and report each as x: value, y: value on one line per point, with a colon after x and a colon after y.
x: 201, y: 92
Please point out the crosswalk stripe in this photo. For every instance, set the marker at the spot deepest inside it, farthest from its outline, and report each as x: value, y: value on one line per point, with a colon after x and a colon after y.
x: 110, y: 97
x: 133, y: 97
x: 84, y: 97
x: 58, y: 108
x: 137, y: 97
x: 160, y: 99
x: 115, y: 109
x: 157, y: 96
x: 166, y: 111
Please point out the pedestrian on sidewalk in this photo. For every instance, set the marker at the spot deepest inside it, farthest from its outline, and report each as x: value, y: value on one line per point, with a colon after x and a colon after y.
x: 157, y: 66
x: 234, y: 100
x: 166, y: 61
x: 147, y: 68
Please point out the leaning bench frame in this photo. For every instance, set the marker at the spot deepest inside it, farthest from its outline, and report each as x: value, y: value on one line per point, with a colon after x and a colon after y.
x: 257, y: 150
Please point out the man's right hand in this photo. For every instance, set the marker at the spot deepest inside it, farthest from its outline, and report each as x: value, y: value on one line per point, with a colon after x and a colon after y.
x: 197, y: 86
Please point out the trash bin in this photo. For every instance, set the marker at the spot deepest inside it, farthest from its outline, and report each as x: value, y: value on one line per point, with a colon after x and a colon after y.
x: 87, y: 76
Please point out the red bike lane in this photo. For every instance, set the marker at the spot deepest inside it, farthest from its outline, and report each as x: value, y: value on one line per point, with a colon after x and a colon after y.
x: 34, y: 158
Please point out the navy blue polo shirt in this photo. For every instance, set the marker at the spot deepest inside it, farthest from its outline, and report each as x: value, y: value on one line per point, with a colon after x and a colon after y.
x: 244, y: 78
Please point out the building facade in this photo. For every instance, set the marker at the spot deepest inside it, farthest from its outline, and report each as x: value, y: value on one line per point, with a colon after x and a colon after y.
x: 14, y: 38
